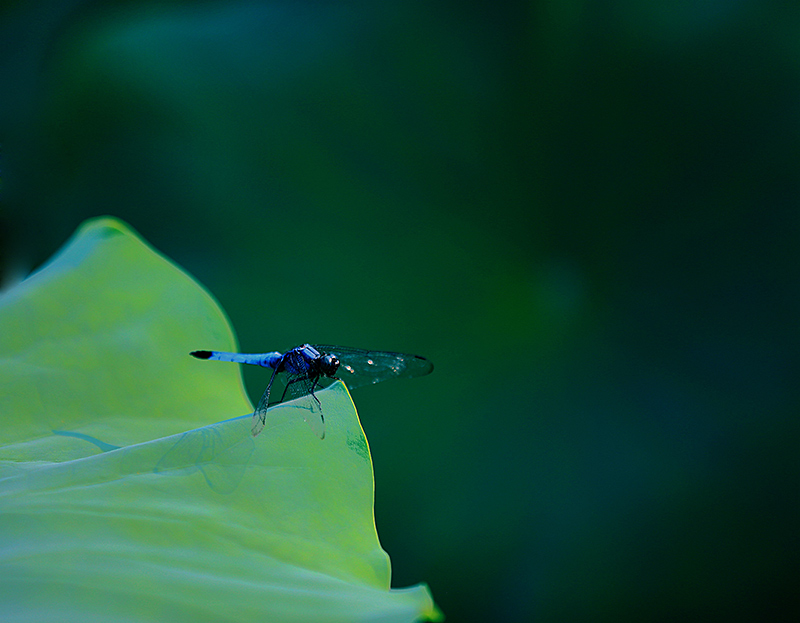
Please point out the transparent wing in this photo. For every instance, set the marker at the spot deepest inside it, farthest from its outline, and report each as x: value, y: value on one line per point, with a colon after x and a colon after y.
x: 300, y: 389
x: 260, y: 414
x: 358, y: 367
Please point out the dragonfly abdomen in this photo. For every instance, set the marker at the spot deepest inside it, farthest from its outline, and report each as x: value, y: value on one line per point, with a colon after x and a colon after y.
x: 266, y: 360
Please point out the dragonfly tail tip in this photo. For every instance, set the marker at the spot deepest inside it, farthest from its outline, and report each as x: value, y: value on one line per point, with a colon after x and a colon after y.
x: 201, y: 354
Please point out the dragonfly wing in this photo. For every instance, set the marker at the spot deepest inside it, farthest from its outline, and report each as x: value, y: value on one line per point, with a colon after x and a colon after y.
x: 301, y: 390
x: 359, y: 367
x: 312, y: 414
x: 260, y: 414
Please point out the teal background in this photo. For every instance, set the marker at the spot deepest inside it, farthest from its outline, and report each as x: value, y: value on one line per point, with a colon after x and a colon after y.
x: 584, y: 213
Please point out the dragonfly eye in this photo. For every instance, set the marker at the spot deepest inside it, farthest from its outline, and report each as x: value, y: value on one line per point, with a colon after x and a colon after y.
x: 328, y: 365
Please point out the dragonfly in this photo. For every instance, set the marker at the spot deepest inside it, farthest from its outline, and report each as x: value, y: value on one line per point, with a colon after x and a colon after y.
x: 309, y: 366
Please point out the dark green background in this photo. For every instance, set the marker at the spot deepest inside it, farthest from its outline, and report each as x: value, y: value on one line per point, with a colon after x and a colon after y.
x: 585, y: 213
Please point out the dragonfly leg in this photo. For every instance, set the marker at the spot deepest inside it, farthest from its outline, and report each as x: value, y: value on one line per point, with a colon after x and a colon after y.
x: 294, y: 380
x: 314, y: 396
x: 313, y: 387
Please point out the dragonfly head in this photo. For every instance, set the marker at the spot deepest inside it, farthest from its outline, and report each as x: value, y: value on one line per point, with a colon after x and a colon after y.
x: 328, y: 364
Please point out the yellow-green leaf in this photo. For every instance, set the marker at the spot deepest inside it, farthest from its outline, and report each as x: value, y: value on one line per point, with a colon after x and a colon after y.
x: 130, y: 486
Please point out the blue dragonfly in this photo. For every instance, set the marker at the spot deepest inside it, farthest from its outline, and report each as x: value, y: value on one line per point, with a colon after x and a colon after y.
x: 306, y: 367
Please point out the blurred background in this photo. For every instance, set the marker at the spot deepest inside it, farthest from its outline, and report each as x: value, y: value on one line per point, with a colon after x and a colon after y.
x: 584, y: 213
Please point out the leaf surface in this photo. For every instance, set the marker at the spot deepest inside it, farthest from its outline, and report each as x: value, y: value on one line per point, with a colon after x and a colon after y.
x: 130, y: 486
